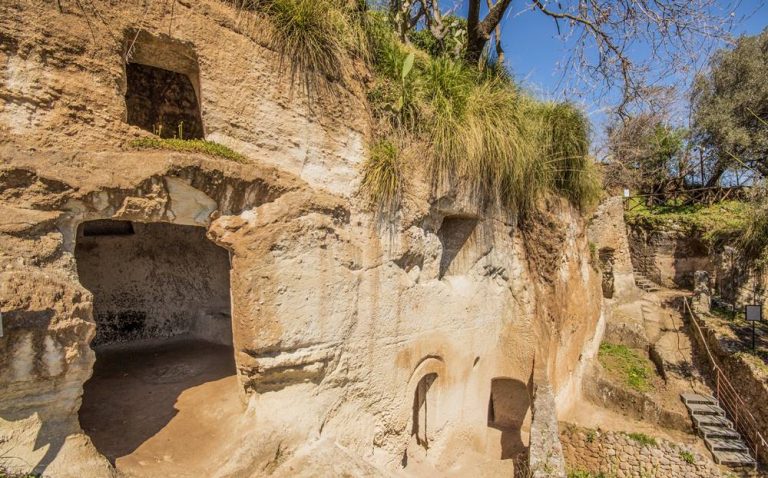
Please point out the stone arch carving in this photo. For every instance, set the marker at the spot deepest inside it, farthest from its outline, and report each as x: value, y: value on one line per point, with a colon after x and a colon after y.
x: 423, y: 399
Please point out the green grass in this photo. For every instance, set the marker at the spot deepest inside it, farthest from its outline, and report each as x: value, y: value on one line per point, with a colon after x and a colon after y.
x: 627, y: 364
x: 716, y: 223
x: 642, y: 439
x: 189, y: 146
x: 586, y: 474
x: 687, y: 457
x: 383, y: 177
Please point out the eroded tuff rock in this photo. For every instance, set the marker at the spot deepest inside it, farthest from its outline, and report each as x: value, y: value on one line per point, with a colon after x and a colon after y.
x: 342, y: 332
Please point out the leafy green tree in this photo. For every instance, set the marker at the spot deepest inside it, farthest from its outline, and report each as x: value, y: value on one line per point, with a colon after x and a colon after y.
x: 646, y: 154
x: 730, y: 106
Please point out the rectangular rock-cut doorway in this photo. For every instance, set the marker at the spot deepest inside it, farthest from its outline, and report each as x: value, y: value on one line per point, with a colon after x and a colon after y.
x: 164, y: 385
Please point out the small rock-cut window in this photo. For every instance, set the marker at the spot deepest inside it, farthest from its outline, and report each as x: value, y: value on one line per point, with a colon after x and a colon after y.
x: 162, y: 102
x: 454, y: 234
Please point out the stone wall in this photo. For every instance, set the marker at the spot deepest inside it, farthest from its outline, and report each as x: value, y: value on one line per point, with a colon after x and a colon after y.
x: 66, y: 90
x: 668, y: 256
x: 619, y: 455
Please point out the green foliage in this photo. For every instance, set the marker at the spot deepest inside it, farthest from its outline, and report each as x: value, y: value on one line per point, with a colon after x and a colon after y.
x: 627, y: 364
x: 565, y: 132
x: 189, y: 146
x: 645, y: 152
x: 642, y: 439
x: 591, y: 435
x: 731, y: 105
x: 586, y: 474
x: 687, y: 457
x: 4, y: 473
x: 383, y: 177
x: 753, y: 240
x: 717, y: 223
x: 453, y: 44
x: 477, y: 130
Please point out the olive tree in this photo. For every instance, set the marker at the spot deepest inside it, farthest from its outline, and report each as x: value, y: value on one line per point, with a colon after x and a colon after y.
x: 730, y: 108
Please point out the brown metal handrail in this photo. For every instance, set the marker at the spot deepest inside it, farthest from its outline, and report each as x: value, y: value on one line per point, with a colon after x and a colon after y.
x: 730, y: 400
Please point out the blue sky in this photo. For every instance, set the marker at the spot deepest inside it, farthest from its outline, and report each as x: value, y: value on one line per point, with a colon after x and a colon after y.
x: 533, y: 49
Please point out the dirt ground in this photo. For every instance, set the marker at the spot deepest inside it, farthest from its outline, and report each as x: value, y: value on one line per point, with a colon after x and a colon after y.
x: 161, y: 408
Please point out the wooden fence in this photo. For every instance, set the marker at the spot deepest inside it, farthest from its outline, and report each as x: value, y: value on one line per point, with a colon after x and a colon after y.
x: 686, y: 197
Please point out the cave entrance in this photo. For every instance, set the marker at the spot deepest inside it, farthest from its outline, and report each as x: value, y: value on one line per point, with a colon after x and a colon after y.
x: 164, y: 385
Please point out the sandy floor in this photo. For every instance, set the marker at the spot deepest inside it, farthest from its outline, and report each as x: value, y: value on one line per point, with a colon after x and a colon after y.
x: 161, y: 408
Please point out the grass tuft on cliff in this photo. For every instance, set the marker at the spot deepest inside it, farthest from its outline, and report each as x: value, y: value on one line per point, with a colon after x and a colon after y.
x: 626, y: 364
x: 642, y: 439
x: 189, y: 146
x: 383, y: 177
x: 316, y: 38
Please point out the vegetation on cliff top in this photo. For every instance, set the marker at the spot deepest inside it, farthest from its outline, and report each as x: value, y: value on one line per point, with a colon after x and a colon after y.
x: 468, y: 127
x: 715, y: 223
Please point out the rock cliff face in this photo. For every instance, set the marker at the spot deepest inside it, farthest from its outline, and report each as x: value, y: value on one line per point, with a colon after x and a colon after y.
x: 358, y: 349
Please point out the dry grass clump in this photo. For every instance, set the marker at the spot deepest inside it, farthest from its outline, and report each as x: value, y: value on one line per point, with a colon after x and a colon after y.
x: 384, y: 177
x: 317, y: 38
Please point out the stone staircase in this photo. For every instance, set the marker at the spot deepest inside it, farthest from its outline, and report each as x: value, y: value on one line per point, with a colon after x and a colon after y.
x: 725, y: 443
x: 645, y: 284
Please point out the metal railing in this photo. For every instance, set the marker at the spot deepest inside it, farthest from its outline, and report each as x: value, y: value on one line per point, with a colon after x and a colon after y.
x: 686, y: 197
x: 730, y: 400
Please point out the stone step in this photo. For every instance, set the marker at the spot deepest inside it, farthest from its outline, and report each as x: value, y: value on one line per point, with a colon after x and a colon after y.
x: 726, y: 444
x: 708, y: 431
x: 733, y: 458
x: 701, y: 409
x: 698, y: 399
x: 712, y: 421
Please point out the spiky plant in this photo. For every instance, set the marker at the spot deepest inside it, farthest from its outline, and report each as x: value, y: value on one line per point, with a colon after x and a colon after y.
x: 383, y: 177
x: 315, y: 37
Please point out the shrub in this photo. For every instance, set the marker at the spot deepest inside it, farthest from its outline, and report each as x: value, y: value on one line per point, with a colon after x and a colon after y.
x: 383, y: 177
x: 316, y: 37
x: 642, y: 439
x: 687, y: 457
x: 586, y: 474
x: 189, y: 146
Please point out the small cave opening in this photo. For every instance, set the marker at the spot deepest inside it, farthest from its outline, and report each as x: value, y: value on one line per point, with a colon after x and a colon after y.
x: 455, y: 233
x: 163, y: 102
x: 164, y: 383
